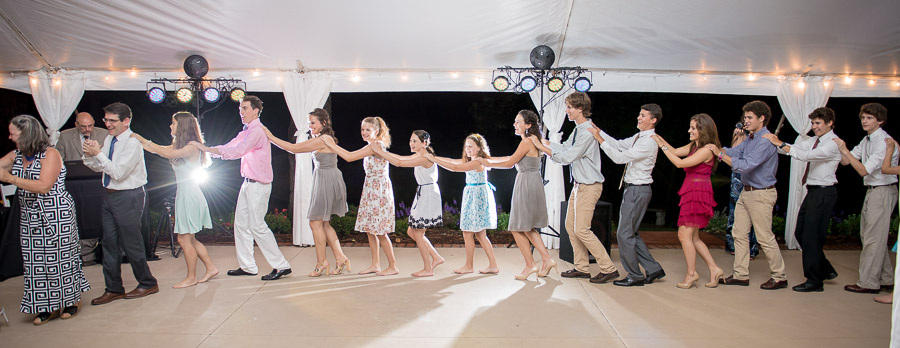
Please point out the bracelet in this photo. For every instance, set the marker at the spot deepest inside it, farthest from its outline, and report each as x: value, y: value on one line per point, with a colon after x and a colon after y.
x: 721, y: 153
x: 664, y: 148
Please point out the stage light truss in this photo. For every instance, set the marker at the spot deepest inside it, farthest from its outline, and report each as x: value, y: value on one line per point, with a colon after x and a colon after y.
x: 192, y: 90
x: 524, y: 80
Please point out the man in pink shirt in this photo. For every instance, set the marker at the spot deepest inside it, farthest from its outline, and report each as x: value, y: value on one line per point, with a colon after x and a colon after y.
x: 255, y: 152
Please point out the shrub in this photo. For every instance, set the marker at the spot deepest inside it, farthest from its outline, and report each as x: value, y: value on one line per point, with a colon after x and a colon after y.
x: 400, y: 226
x: 848, y: 226
x: 279, y: 221
x: 778, y: 225
x: 503, y: 221
x: 718, y: 223
x: 343, y: 225
x: 451, y: 221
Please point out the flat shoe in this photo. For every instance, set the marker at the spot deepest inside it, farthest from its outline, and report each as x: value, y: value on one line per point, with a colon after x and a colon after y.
x: 70, y: 312
x: 43, y: 318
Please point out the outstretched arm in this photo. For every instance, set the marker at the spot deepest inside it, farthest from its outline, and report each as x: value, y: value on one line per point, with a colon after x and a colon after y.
x: 168, y: 152
x: 401, y: 161
x: 347, y: 155
x: 455, y: 165
x: 308, y: 145
x: 886, y: 167
x: 508, y: 162
x: 679, y: 152
x: 848, y: 158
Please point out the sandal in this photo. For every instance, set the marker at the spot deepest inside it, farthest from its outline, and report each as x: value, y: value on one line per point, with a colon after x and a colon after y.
x: 43, y: 317
x: 70, y: 312
x: 319, y: 270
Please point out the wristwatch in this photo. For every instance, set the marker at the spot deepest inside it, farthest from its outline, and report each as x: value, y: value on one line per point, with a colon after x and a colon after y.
x: 783, y: 144
x: 664, y: 148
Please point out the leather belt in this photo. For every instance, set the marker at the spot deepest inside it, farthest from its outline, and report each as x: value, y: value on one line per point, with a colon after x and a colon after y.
x: 815, y: 187
x: 251, y: 181
x: 751, y: 188
x: 629, y: 185
x: 875, y: 186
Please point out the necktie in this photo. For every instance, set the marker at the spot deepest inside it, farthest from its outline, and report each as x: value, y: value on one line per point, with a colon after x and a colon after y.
x: 806, y: 173
x: 572, y: 170
x: 751, y: 135
x: 112, y: 147
x: 622, y: 182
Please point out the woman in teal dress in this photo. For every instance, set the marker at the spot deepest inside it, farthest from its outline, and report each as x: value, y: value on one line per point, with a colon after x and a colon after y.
x: 191, y: 210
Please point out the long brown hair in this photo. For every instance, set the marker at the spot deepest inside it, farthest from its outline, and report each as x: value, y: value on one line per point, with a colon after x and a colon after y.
x: 483, y: 150
x: 382, y: 132
x: 188, y: 130
x: 325, y: 119
x: 33, y: 139
x: 530, y: 117
x: 707, y: 133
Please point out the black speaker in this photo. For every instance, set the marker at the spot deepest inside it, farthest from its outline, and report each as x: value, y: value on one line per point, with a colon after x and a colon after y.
x: 601, y: 225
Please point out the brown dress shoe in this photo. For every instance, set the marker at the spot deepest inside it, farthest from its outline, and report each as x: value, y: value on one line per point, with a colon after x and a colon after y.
x: 141, y: 292
x: 772, y: 284
x: 107, y: 297
x: 731, y: 281
x: 861, y: 290
x: 601, y: 277
x: 574, y: 273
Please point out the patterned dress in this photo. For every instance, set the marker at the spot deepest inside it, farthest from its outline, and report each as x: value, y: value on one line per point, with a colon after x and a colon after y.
x: 376, y: 205
x: 49, y: 238
x: 696, y: 196
x: 479, y: 211
x: 191, y: 210
x: 426, y: 210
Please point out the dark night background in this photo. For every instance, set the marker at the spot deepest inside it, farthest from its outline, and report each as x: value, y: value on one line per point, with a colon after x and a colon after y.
x: 449, y: 117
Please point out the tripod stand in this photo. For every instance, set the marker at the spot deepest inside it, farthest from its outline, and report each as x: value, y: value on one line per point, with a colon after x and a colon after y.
x: 167, y: 225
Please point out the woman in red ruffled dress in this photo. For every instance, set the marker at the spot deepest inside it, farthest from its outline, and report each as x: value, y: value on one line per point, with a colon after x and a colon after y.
x: 696, y: 195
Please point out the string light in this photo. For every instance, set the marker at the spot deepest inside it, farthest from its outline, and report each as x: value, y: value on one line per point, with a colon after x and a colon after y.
x: 801, y: 84
x: 847, y: 80
x: 871, y: 82
x: 34, y: 81
x: 404, y: 77
x: 355, y: 78
x: 825, y: 83
x: 751, y: 77
x: 454, y: 74
x: 256, y: 72
x: 897, y: 83
x: 479, y: 81
x: 133, y: 72
x: 57, y: 82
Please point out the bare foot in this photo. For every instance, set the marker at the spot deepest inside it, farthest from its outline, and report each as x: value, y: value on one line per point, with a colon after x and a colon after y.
x: 423, y: 273
x: 185, y: 283
x: 388, y: 271
x: 436, y: 262
x: 210, y: 273
x: 886, y: 299
x: 371, y: 269
x: 490, y: 270
x: 463, y: 270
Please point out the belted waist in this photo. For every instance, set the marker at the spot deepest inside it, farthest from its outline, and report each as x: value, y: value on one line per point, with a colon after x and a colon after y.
x: 109, y: 190
x: 751, y: 188
x: 630, y: 184
x: 254, y: 181
x: 816, y: 187
x: 869, y: 187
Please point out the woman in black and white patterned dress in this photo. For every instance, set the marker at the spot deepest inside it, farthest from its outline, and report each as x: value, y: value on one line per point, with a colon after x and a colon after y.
x: 54, y: 280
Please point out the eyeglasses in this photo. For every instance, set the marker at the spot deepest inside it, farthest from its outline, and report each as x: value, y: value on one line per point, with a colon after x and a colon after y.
x: 107, y: 120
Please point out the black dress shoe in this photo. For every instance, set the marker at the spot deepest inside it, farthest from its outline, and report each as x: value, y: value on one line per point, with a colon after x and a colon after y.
x: 808, y: 287
x: 276, y: 274
x: 660, y: 274
x: 628, y: 281
x: 831, y: 275
x: 239, y: 272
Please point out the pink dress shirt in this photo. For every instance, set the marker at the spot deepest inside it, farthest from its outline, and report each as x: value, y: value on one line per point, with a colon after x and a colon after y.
x: 254, y: 150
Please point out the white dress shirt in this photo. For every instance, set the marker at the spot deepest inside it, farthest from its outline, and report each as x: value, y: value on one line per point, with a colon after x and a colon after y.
x: 822, y: 161
x: 638, y: 153
x: 126, y: 169
x: 870, y: 152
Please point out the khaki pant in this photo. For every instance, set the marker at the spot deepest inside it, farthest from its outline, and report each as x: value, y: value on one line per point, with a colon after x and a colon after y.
x: 582, y: 201
x: 874, y: 224
x: 754, y: 208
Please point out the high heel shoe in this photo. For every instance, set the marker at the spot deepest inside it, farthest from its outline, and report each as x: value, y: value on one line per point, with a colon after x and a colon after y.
x: 546, y: 271
x: 321, y: 268
x: 715, y: 282
x: 690, y: 283
x: 340, y: 267
x: 524, y: 276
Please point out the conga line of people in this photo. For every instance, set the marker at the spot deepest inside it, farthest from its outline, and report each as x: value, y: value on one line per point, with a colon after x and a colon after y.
x: 36, y: 169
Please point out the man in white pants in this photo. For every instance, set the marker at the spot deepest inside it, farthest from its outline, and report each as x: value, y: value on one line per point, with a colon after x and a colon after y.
x: 255, y: 152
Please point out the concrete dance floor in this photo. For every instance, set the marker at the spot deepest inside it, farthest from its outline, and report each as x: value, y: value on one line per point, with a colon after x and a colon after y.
x: 450, y: 310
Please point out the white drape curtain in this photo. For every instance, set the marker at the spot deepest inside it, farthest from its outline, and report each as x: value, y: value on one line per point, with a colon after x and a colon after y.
x: 56, y: 96
x: 554, y: 116
x: 303, y: 93
x: 798, y: 97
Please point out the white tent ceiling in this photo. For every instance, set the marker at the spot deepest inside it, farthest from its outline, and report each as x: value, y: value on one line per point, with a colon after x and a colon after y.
x: 705, y: 46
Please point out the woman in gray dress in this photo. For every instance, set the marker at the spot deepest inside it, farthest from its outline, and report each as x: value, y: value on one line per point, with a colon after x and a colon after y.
x: 329, y: 194
x: 529, y: 207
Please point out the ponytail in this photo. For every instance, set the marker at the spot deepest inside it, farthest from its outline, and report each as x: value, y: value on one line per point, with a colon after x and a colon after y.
x: 384, y: 133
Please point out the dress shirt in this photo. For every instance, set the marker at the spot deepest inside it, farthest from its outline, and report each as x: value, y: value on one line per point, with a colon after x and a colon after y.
x: 581, y: 153
x: 637, y: 152
x: 823, y: 160
x: 126, y: 168
x: 870, y: 152
x: 756, y: 159
x: 254, y: 150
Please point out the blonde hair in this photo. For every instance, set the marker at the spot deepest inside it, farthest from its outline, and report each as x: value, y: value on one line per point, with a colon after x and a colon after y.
x: 483, y: 150
x: 382, y: 132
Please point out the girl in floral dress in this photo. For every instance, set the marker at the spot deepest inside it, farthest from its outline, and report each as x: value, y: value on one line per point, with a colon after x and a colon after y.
x: 375, y: 216
x: 479, y: 211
